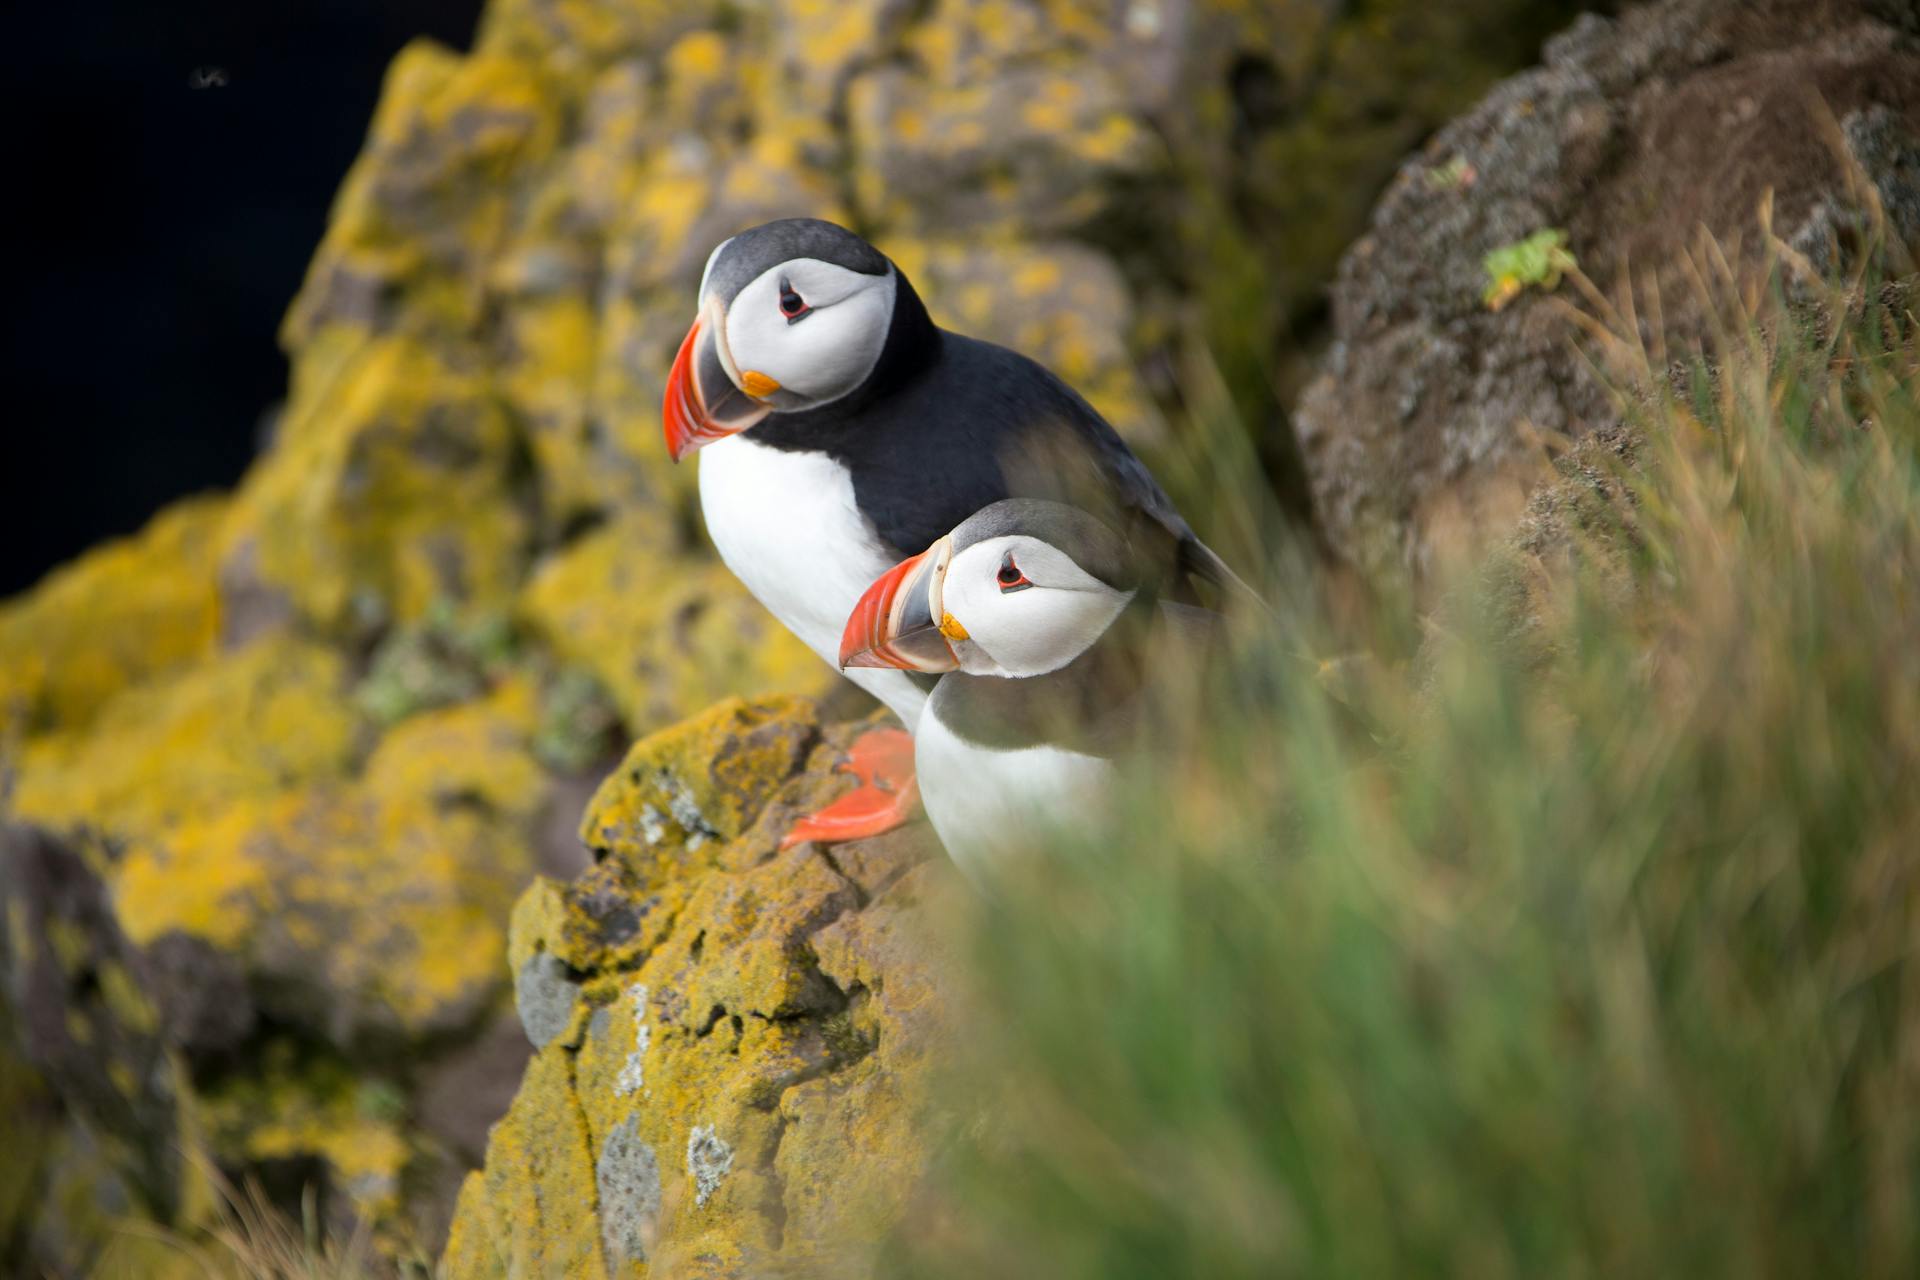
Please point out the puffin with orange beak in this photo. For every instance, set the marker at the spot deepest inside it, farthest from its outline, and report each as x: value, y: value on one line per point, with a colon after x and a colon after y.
x: 1042, y: 623
x: 840, y: 429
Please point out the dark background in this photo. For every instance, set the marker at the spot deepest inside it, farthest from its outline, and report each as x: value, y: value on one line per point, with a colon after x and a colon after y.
x: 166, y: 228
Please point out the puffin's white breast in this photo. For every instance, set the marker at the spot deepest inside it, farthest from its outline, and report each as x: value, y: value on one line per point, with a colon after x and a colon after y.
x: 787, y: 524
x: 985, y: 803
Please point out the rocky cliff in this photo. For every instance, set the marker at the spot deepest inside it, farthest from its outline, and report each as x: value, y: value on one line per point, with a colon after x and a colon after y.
x: 296, y: 875
x: 1647, y: 148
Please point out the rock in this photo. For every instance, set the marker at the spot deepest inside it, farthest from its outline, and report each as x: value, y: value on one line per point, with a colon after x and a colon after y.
x: 80, y: 1020
x: 752, y: 1072
x: 662, y: 635
x: 1635, y: 134
x: 628, y: 1178
x: 130, y: 611
x: 304, y: 744
x: 544, y: 993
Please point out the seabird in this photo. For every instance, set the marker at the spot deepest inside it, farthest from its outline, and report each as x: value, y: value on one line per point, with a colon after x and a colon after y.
x: 1044, y: 624
x: 842, y: 429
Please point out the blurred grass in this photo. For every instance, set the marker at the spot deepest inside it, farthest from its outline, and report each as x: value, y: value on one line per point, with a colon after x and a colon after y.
x: 1557, y: 918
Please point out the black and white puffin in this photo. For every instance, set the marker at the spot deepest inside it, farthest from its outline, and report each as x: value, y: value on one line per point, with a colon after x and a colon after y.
x: 842, y: 429
x: 1044, y: 624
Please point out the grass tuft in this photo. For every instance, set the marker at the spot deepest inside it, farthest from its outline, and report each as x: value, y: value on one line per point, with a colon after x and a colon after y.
x: 1556, y: 918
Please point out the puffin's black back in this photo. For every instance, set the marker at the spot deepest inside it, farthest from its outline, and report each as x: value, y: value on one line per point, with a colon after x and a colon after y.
x: 947, y: 424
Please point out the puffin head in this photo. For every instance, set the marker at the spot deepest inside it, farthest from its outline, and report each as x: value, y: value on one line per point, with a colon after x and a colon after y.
x: 794, y: 315
x: 1020, y: 588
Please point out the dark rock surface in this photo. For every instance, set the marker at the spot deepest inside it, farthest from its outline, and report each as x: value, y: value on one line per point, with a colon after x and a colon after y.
x: 1635, y: 135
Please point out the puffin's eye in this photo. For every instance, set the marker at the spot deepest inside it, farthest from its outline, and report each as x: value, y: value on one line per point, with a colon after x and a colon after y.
x: 1010, y: 578
x: 792, y: 305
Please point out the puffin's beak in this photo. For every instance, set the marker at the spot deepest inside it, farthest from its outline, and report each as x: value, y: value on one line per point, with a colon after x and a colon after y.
x: 704, y: 401
x: 899, y: 622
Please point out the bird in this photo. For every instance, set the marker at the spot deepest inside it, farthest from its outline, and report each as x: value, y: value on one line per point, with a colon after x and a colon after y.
x: 840, y: 429
x: 1046, y: 627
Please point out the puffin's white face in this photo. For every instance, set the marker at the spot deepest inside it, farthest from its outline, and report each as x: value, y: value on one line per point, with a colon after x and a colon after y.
x: 1023, y: 607
x: 1011, y: 605
x: 793, y: 315
x: 807, y: 332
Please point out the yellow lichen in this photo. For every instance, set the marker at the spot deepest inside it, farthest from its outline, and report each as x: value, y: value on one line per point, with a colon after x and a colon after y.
x: 664, y: 635
x: 685, y: 791
x: 287, y: 1108
x: 126, y: 612
x: 391, y: 489
x: 739, y: 1113
x: 237, y: 726
x: 532, y: 1213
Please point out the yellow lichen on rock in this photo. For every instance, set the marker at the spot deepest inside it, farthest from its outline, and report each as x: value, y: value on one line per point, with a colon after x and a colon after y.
x: 435, y: 833
x: 392, y: 488
x: 683, y: 793
x: 235, y: 727
x: 288, y: 1108
x: 124, y: 613
x: 530, y: 1212
x: 714, y: 1057
x: 666, y: 636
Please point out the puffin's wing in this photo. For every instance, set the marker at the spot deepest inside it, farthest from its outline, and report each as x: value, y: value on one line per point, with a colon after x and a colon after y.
x: 1075, y: 456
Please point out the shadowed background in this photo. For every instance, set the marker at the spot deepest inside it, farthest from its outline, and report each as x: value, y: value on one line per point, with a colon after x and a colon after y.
x: 166, y: 228
x: 402, y: 822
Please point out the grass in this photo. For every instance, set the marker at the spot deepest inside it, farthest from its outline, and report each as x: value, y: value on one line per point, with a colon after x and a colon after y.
x: 1557, y: 918
x: 248, y: 1237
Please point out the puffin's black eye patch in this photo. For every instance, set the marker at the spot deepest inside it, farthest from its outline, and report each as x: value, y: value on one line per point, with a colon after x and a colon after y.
x: 1010, y: 578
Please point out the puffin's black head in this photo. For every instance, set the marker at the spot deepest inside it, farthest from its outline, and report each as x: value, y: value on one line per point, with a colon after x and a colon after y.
x: 793, y: 315
x: 1020, y: 588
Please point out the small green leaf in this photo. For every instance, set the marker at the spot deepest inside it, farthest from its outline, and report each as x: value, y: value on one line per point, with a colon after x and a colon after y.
x: 1539, y: 260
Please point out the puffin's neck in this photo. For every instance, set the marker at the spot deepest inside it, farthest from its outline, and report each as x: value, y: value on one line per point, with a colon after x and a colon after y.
x: 1087, y: 705
x: 912, y: 347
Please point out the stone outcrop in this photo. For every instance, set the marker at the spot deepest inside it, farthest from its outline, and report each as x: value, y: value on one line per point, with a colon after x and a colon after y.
x: 278, y: 771
x: 1634, y: 136
x: 733, y: 1041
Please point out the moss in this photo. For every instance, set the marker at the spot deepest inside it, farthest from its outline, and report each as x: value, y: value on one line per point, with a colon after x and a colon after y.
x: 441, y: 660
x: 578, y: 722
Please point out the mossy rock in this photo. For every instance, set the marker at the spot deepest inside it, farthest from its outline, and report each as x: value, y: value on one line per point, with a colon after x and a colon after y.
x: 664, y: 635
x: 124, y: 613
x: 735, y: 1078
x: 235, y: 727
x: 364, y: 909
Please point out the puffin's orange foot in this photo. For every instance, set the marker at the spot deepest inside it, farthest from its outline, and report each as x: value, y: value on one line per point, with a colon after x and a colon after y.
x: 883, y: 761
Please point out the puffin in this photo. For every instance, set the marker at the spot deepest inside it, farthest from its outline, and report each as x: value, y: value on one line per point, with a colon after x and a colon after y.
x: 1046, y: 627
x: 839, y: 430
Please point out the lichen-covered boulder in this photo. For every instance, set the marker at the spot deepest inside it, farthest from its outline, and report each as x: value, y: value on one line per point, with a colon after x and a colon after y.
x: 132, y: 610
x: 734, y: 1041
x: 1635, y: 135
x: 298, y: 749
x: 659, y: 633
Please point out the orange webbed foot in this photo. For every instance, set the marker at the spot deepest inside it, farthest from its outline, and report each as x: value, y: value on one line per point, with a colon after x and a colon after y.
x: 882, y: 759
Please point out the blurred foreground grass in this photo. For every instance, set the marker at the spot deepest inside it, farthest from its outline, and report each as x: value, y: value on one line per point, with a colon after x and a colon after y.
x: 1559, y: 918
x: 1570, y: 930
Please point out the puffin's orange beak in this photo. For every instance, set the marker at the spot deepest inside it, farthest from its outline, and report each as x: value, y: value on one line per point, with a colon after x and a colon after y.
x: 704, y: 401
x: 899, y: 622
